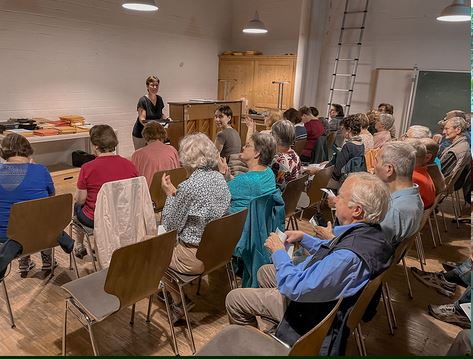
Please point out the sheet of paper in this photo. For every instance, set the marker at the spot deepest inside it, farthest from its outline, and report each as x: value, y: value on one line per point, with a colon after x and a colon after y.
x: 467, y: 309
x: 283, y: 237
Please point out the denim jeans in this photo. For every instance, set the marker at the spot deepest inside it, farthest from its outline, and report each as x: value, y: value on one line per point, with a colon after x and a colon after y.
x: 86, y: 221
x: 460, y: 274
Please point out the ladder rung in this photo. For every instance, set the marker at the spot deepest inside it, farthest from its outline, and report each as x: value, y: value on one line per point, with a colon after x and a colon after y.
x: 355, y: 59
x: 341, y: 105
x: 349, y: 43
x: 344, y: 75
x: 342, y: 90
x: 353, y: 28
x: 355, y: 12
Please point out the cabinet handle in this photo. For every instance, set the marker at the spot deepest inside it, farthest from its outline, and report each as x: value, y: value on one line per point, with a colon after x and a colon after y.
x: 68, y: 178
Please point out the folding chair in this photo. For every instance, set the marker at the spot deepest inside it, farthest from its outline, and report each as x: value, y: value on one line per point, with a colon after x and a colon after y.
x: 36, y: 225
x: 320, y: 180
x: 134, y: 274
x: 215, y: 250
x: 237, y: 340
x: 291, y: 195
x: 158, y: 196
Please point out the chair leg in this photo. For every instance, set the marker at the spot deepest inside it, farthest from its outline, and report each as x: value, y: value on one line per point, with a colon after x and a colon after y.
x: 408, y: 281
x: 362, y: 341
x: 432, y: 233
x: 92, y: 339
x: 132, y: 319
x: 230, y: 268
x: 52, y: 263
x: 438, y: 229
x: 443, y: 218
x: 186, y: 314
x: 171, y: 326
x: 357, y: 341
x: 148, y: 313
x: 7, y: 299
x: 72, y: 259
x: 419, y: 248
x: 64, y: 329
x: 89, y: 248
x: 229, y: 275
x: 198, y: 285
x: 391, y: 308
x: 387, y: 309
x: 455, y: 210
x: 295, y: 223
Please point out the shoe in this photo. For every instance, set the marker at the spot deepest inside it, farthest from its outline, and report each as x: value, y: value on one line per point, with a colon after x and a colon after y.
x: 24, y: 267
x: 448, y: 266
x: 177, y: 310
x: 47, y: 265
x: 80, y: 252
x: 435, y: 280
x: 448, y: 314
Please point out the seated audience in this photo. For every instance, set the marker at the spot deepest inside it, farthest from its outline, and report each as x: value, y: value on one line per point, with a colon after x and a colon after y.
x: 228, y: 140
x: 201, y: 198
x: 314, y: 129
x: 440, y: 138
x: 22, y: 180
x: 291, y: 114
x: 388, y: 109
x: 258, y: 153
x: 324, y: 121
x: 106, y: 167
x: 456, y: 156
x: 155, y: 156
x: 432, y: 149
x: 341, y: 267
x: 373, y: 117
x: 421, y: 176
x: 383, y: 130
x: 417, y: 131
x: 286, y: 164
x: 336, y: 115
x: 446, y: 283
x: 366, y: 136
x: 352, y: 151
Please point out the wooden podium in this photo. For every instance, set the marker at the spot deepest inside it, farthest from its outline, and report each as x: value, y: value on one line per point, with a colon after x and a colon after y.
x: 198, y: 116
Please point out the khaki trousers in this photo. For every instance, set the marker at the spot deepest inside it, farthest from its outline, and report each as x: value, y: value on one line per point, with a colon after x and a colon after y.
x: 244, y: 304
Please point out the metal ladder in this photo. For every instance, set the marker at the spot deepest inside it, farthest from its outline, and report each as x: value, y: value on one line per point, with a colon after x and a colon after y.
x: 351, y: 59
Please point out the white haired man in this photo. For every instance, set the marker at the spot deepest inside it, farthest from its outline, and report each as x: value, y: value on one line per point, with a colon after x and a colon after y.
x: 341, y: 267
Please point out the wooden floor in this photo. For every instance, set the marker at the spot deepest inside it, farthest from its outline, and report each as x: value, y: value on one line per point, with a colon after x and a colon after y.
x: 38, y: 307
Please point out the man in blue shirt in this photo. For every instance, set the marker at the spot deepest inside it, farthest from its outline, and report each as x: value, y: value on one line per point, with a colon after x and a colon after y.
x: 340, y: 267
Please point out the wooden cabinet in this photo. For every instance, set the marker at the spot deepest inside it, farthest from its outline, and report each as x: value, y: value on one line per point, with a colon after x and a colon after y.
x: 193, y: 116
x: 252, y: 77
x: 64, y: 178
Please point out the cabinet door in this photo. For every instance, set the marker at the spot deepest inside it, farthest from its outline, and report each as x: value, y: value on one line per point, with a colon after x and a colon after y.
x: 265, y: 92
x: 235, y: 79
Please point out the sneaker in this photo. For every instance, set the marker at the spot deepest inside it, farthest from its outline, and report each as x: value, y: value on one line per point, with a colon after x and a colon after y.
x: 25, y: 266
x: 448, y: 266
x: 177, y: 310
x: 448, y: 314
x: 435, y: 280
x: 80, y: 252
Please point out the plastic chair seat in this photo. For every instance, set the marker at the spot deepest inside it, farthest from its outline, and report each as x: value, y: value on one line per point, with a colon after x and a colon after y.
x: 237, y: 340
x: 183, y: 279
x: 88, y: 292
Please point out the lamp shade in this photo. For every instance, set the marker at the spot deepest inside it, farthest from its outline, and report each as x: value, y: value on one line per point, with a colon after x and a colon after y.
x: 140, y: 5
x: 255, y: 26
x: 456, y: 12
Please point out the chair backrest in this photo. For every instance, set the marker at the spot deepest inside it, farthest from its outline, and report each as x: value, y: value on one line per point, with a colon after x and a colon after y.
x: 158, y: 196
x: 437, y: 178
x: 299, y: 146
x: 309, y: 344
x: 330, y: 141
x: 370, y: 158
x: 402, y: 248
x: 135, y: 270
x: 37, y: 224
x: 219, y: 239
x: 363, y: 300
x: 319, y: 181
x: 292, y: 194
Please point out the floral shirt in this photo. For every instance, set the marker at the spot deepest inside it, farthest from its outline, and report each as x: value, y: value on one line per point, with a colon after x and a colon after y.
x: 286, y: 167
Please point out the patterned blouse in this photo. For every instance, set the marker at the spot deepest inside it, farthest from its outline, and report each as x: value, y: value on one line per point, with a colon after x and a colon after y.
x: 286, y: 167
x: 203, y: 197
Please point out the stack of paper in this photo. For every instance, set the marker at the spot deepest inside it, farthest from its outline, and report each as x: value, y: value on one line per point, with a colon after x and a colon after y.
x: 19, y: 131
x: 73, y: 120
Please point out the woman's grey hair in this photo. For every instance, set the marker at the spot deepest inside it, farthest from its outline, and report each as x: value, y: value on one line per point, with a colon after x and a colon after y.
x: 386, y: 120
x: 197, y: 151
x: 457, y: 122
x: 284, y: 133
x: 265, y: 145
x: 418, y: 131
x: 371, y: 194
x: 400, y: 155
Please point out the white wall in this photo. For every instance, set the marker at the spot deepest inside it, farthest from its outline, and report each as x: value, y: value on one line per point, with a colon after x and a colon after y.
x: 399, y: 34
x: 92, y: 57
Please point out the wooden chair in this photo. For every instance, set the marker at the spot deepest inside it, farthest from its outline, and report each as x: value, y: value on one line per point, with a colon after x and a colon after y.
x: 291, y: 195
x: 440, y: 193
x: 330, y: 141
x: 358, y: 310
x: 36, y: 225
x: 320, y: 180
x: 370, y: 158
x: 237, y: 340
x: 158, y: 196
x: 215, y: 251
x: 299, y: 146
x: 134, y: 274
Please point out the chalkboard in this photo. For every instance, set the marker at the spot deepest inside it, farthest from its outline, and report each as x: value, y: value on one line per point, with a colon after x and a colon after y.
x: 438, y: 92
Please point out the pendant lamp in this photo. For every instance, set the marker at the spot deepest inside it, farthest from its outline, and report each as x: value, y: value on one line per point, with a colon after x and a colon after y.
x: 140, y: 5
x: 255, y: 26
x: 456, y: 12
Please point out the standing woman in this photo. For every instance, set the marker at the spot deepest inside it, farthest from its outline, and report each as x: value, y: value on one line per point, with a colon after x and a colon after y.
x: 150, y: 108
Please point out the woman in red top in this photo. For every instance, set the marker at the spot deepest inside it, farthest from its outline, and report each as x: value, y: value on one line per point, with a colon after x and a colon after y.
x: 314, y: 128
x: 107, y: 167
